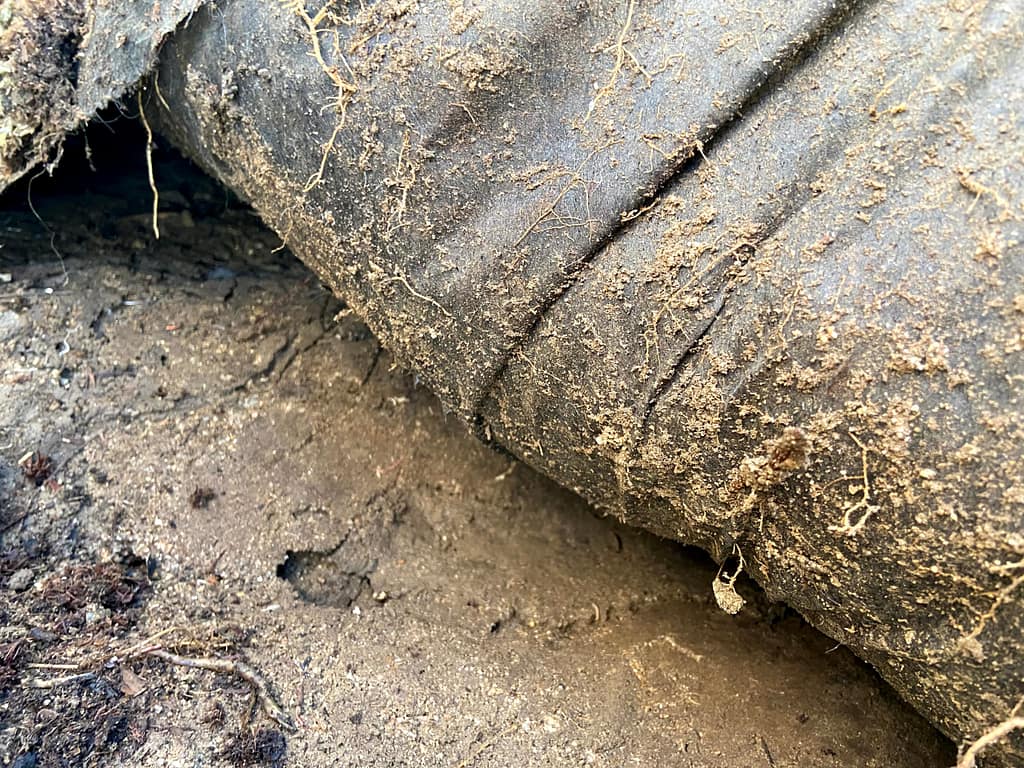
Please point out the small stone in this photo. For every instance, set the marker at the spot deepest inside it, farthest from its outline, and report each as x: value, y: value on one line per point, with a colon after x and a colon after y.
x: 21, y: 580
x: 45, y: 716
x: 11, y: 324
x: 95, y: 613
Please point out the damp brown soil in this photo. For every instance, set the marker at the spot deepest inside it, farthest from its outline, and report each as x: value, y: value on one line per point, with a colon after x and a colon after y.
x: 204, y: 455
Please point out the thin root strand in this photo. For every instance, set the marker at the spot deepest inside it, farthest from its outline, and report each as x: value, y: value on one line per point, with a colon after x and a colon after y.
x: 239, y: 669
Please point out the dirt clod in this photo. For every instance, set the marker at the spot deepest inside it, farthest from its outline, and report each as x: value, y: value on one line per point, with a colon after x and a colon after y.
x: 20, y: 580
x: 200, y: 497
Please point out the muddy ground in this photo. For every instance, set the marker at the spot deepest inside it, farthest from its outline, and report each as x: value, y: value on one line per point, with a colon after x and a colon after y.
x: 203, y: 454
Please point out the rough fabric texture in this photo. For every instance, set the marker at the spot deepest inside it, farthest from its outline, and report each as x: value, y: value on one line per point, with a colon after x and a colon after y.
x: 62, y: 61
x: 750, y: 279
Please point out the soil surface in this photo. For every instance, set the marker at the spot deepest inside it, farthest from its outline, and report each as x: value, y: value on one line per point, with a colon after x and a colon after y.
x: 203, y: 456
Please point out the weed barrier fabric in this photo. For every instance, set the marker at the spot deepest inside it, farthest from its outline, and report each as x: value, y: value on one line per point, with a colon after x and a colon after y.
x: 62, y: 61
x: 748, y: 278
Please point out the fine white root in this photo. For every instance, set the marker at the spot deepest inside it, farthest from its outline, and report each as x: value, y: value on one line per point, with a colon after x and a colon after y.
x: 56, y: 682
x: 149, y: 163
x: 969, y: 758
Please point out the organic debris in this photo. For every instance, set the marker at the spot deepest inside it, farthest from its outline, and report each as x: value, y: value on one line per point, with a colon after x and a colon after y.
x: 81, y: 587
x: 200, y: 498
x: 36, y: 466
x: 266, y: 747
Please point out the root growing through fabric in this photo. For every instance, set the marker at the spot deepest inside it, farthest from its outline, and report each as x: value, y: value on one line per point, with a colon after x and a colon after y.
x: 620, y: 56
x: 969, y: 756
x: 344, y: 89
x: 863, y: 506
x: 149, y: 164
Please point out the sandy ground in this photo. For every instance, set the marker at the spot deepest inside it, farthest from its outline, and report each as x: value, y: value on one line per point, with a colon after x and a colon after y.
x: 202, y: 454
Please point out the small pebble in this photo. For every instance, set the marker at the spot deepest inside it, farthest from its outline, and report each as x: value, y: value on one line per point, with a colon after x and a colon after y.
x: 95, y: 613
x: 21, y: 580
x: 46, y: 715
x: 11, y: 324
